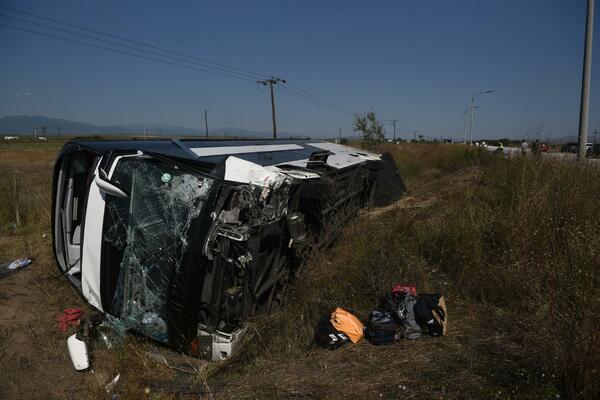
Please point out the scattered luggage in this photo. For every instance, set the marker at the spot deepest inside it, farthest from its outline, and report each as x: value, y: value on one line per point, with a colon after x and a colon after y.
x: 69, y: 317
x: 431, y: 314
x: 10, y: 267
x: 401, y: 303
x: 381, y: 328
x: 401, y: 314
x: 327, y: 336
x: 344, y: 321
x: 409, y: 328
x: 408, y: 289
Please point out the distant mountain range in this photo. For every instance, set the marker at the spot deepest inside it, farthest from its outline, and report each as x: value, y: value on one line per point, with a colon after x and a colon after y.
x: 25, y: 125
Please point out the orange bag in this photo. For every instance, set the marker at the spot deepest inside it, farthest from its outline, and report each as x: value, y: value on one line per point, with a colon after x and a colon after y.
x: 345, y: 322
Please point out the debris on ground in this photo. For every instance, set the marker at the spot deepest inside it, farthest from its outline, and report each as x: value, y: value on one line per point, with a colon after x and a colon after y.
x: 400, y: 288
x: 111, y: 385
x: 10, y: 267
x: 69, y: 317
x: 180, y: 388
x: 381, y: 328
x: 345, y: 321
x: 177, y: 361
x: 401, y: 314
x: 78, y: 352
x: 327, y: 336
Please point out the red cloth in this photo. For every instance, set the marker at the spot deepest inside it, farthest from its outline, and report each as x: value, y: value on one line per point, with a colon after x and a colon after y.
x: 69, y: 317
x: 408, y: 289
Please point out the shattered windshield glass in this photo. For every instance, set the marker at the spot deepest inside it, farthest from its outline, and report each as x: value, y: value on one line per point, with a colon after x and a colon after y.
x: 146, y: 235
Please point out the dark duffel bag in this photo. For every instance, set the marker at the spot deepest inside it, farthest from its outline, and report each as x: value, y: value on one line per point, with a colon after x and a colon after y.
x: 327, y: 336
x: 381, y: 328
x: 431, y: 314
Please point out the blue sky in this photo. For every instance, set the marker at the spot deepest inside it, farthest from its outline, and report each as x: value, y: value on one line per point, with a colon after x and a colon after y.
x: 415, y: 61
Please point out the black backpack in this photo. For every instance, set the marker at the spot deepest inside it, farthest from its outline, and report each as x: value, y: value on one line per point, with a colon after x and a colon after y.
x: 327, y: 336
x: 401, y: 306
x: 389, y: 302
x: 405, y: 314
x: 430, y: 313
x: 381, y: 328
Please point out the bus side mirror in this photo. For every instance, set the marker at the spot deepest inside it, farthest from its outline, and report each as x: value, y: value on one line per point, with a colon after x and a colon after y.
x: 106, y: 186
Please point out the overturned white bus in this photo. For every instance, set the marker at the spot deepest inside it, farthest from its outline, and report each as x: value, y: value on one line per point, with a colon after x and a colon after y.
x: 182, y: 240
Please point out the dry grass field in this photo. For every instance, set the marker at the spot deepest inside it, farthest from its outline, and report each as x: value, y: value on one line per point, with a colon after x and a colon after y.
x: 511, y: 243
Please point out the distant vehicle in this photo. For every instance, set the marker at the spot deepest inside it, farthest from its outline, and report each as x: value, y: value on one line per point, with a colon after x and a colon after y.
x: 11, y: 138
x: 499, y: 148
x: 570, y: 147
x: 183, y: 240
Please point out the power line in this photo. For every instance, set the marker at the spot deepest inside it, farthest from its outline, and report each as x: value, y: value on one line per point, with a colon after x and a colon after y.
x: 309, y: 100
x: 289, y: 91
x: 255, y: 75
x: 123, y: 52
x: 199, y: 64
x: 310, y: 94
x: 299, y: 95
x: 295, y: 93
x: 126, y: 46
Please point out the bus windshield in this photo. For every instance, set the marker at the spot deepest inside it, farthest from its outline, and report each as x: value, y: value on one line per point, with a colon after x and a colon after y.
x: 145, y: 236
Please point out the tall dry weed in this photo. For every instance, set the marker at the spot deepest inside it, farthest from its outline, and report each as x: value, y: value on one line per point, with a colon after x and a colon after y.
x: 526, y: 240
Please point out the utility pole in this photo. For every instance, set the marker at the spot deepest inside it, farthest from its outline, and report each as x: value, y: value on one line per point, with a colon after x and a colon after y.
x: 585, y: 82
x: 393, y: 121
x: 206, y: 123
x: 145, y: 133
x: 465, y: 125
x: 472, y: 114
x: 471, y: 123
x: 35, y: 132
x: 340, y: 135
x: 271, y: 82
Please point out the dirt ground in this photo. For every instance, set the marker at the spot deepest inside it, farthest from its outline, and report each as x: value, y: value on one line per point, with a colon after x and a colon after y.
x: 33, y: 354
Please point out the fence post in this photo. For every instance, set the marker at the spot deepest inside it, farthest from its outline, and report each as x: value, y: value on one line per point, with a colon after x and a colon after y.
x: 16, y: 197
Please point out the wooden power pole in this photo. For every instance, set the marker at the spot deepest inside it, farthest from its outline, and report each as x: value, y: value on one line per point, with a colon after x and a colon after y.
x: 206, y: 123
x: 272, y: 81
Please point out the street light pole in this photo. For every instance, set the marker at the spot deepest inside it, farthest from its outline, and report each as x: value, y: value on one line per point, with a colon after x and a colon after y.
x: 585, y: 82
x: 472, y: 113
x: 465, y: 125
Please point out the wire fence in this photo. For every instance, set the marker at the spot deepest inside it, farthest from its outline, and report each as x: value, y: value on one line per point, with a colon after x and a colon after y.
x: 25, y: 195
